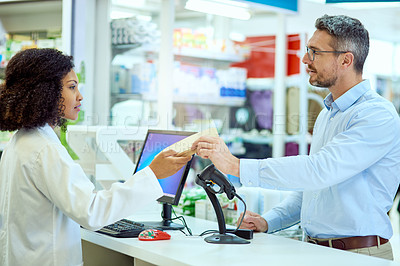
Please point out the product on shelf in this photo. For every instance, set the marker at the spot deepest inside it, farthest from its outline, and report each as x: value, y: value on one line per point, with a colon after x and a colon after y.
x: 189, y: 80
x: 133, y: 31
x: 188, y: 41
x: 16, y: 42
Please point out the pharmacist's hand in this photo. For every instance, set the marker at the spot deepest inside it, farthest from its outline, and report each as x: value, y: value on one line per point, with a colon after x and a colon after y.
x: 215, y: 149
x: 253, y: 221
x: 167, y: 163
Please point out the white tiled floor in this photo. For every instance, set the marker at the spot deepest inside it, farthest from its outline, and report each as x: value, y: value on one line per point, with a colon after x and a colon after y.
x: 395, y: 240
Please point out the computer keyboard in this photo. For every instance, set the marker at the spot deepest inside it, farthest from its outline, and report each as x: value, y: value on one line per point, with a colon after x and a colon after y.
x: 123, y: 228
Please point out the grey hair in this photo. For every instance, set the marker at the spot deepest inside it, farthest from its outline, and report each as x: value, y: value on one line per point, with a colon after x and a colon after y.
x: 348, y: 35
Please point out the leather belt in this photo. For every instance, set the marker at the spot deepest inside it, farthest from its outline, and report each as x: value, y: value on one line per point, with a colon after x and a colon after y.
x: 349, y: 242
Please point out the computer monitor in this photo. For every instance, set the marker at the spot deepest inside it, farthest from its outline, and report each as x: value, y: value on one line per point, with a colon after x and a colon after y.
x: 172, y: 186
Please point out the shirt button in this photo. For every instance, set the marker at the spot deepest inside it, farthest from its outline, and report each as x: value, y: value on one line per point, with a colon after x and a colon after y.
x: 331, y: 118
x: 250, y: 183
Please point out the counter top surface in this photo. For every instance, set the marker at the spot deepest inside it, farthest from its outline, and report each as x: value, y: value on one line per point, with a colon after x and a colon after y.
x: 264, y: 249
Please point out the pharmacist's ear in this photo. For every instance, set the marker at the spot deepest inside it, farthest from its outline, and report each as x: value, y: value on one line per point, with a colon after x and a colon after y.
x: 347, y: 59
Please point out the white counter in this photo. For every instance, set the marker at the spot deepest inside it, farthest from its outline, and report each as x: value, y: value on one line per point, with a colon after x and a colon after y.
x: 264, y: 249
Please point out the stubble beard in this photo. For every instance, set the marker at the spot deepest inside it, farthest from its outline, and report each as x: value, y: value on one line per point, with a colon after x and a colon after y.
x: 323, y: 83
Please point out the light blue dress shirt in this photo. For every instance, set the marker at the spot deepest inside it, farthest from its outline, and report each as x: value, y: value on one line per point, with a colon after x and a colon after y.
x: 347, y: 184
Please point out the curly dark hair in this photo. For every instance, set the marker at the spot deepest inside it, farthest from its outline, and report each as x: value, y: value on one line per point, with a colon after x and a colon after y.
x: 30, y: 97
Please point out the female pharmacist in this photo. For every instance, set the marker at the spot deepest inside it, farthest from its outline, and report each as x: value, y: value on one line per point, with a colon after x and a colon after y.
x: 45, y: 195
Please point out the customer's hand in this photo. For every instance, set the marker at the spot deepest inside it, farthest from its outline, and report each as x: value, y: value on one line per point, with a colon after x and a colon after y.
x: 215, y: 149
x: 253, y: 221
x: 167, y: 163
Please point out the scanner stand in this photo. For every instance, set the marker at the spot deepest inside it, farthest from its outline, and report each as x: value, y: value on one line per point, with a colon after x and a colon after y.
x: 222, y: 237
x: 209, y: 177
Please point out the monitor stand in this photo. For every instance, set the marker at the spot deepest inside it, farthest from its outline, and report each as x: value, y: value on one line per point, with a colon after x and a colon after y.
x: 166, y: 223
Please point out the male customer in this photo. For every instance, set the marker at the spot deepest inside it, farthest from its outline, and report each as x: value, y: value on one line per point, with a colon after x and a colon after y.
x: 347, y: 184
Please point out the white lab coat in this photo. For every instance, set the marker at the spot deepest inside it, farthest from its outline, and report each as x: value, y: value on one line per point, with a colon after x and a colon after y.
x: 45, y: 195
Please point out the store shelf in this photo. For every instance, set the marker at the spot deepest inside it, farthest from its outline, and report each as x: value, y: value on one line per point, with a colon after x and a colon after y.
x: 207, y: 54
x: 131, y: 96
x: 260, y: 83
x: 180, y: 51
x: 226, y: 101
x: 123, y: 48
x: 257, y: 139
x: 126, y: 46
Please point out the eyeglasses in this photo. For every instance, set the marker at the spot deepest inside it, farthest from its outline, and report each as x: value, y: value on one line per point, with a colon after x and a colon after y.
x: 311, y: 53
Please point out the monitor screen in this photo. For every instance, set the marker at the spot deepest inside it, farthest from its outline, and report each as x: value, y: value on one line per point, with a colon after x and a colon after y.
x: 155, y: 142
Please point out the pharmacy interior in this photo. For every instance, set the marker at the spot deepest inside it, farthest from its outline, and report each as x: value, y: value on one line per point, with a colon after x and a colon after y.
x: 188, y: 65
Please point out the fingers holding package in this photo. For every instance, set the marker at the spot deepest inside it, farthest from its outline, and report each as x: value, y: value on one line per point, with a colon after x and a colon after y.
x: 207, y: 147
x: 215, y: 149
x: 168, y: 163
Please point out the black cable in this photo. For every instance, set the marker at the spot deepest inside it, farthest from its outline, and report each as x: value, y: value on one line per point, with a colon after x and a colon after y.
x: 207, y: 232
x: 183, y: 232
x: 182, y: 219
x: 244, y: 203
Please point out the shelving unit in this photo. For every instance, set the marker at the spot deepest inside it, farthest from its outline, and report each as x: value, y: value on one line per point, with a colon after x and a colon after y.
x: 34, y: 22
x: 185, y: 55
x: 165, y: 61
x: 29, y: 24
x: 122, y: 48
x: 225, y: 101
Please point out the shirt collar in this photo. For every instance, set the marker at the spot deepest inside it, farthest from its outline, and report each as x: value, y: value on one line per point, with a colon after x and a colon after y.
x: 349, y: 97
x: 48, y: 130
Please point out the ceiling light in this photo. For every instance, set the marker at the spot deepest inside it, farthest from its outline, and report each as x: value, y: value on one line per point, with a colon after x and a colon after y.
x: 227, y: 8
x: 367, y: 5
x: 360, y: 5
